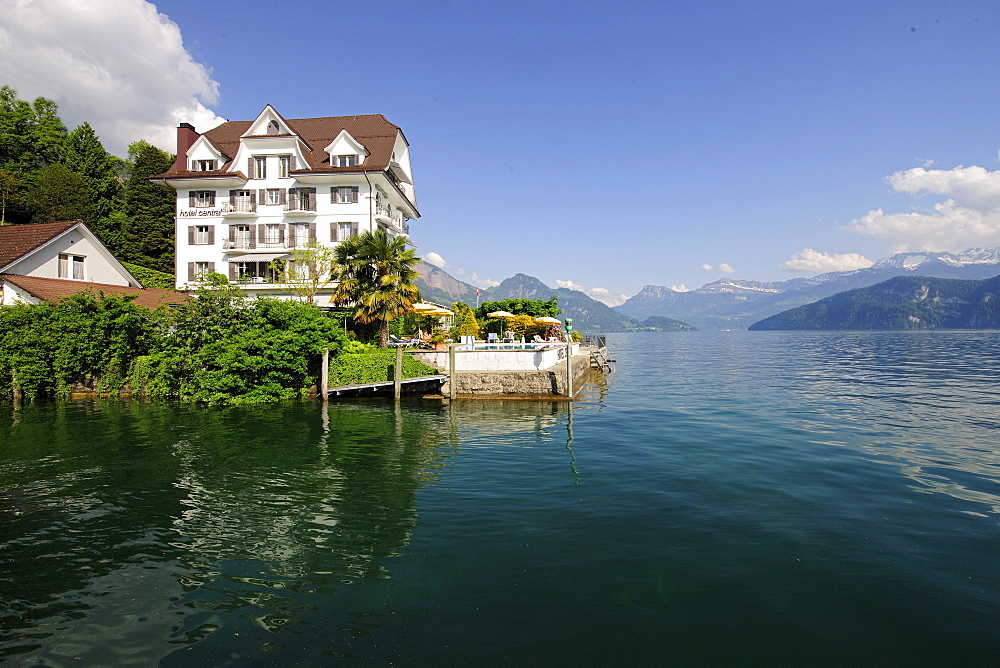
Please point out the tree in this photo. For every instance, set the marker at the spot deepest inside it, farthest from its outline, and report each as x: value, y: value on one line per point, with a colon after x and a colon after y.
x: 10, y: 192
x: 310, y: 270
x: 465, y: 318
x: 375, y: 274
x: 56, y: 193
x: 149, y: 232
x: 85, y: 155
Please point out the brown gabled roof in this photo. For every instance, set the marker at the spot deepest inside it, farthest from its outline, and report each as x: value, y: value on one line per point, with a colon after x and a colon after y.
x: 373, y: 131
x: 16, y: 241
x: 53, y: 289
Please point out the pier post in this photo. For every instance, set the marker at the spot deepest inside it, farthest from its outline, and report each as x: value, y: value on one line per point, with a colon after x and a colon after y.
x: 397, y: 378
x: 324, y: 383
x: 452, y: 374
x: 569, y: 370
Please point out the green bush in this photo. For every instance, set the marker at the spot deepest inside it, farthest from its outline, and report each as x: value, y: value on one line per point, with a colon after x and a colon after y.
x: 151, y: 278
x: 374, y: 366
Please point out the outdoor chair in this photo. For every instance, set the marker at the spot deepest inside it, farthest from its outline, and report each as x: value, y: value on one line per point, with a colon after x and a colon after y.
x: 492, y: 338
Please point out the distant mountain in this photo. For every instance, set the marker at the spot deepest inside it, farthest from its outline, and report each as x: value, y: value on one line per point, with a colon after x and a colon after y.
x: 904, y: 302
x: 589, y: 315
x: 735, y: 304
x: 667, y: 324
x: 439, y: 286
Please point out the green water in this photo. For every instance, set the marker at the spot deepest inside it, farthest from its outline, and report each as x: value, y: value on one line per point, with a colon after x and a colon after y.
x: 752, y: 498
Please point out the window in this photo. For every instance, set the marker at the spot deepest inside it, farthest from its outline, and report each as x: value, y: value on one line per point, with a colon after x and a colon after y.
x: 200, y: 269
x: 345, y: 161
x: 260, y: 168
x: 299, y: 234
x: 204, y: 165
x: 284, y: 166
x: 344, y: 194
x: 274, y: 196
x: 241, y: 236
x: 71, y: 266
x: 272, y: 234
x: 202, y: 234
x: 201, y: 199
x: 345, y: 230
x: 273, y: 128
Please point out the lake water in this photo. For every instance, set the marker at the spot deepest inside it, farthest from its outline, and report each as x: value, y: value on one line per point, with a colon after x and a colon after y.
x: 723, y: 498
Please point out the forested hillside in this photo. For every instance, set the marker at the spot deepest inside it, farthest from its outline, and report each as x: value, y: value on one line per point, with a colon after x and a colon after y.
x: 905, y: 302
x: 49, y: 173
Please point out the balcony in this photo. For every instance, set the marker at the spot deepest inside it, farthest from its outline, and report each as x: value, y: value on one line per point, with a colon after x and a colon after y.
x: 246, y: 245
x: 300, y: 204
x: 239, y: 207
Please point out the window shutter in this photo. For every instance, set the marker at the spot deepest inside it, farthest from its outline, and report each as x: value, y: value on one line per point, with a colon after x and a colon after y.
x: 334, y: 229
x: 253, y: 237
x: 211, y: 266
x: 312, y: 231
x: 281, y: 234
x: 251, y: 173
x: 262, y: 233
x: 312, y: 199
x: 291, y: 163
x: 191, y: 199
x: 232, y: 271
x: 190, y: 271
x: 191, y: 232
x: 253, y: 198
x: 213, y: 165
x: 211, y: 198
x: 291, y: 236
x: 232, y: 196
x: 232, y: 234
x: 354, y: 229
x: 283, y: 197
x: 354, y: 195
x: 262, y: 196
x: 211, y: 234
x: 333, y: 194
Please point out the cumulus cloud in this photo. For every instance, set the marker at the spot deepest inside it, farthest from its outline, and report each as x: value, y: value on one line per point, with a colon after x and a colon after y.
x: 435, y: 259
x: 680, y: 288
x: 118, y: 64
x: 809, y: 260
x: 969, y: 216
x: 721, y: 268
x: 600, y: 294
x: 474, y: 279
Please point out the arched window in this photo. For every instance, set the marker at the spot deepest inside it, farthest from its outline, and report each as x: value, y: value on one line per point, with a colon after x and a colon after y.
x: 273, y: 129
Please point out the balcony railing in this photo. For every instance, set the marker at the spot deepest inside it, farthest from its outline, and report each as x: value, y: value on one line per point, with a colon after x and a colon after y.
x: 246, y: 244
x: 239, y: 206
x: 300, y: 203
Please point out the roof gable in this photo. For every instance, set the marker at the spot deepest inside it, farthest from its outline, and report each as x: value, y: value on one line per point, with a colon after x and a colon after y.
x: 17, y: 241
x: 268, y: 122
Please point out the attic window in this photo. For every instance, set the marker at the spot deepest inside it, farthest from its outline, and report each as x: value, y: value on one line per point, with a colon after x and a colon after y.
x: 272, y: 128
x: 204, y: 165
x: 345, y: 161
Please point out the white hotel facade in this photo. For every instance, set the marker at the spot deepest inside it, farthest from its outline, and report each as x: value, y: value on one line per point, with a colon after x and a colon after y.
x: 250, y: 192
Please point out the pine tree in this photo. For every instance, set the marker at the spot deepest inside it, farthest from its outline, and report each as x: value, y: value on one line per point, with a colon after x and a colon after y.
x: 148, y: 236
x: 85, y: 155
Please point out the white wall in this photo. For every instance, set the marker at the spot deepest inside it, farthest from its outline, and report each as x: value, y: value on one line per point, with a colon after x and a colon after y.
x: 97, y: 267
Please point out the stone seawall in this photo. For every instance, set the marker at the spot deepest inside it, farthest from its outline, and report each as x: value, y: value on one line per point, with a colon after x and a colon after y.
x: 550, y: 381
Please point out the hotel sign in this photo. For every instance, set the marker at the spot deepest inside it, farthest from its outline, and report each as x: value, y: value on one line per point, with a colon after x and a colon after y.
x: 200, y: 213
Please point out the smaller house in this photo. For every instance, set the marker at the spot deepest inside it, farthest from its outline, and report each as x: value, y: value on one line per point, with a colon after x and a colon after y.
x: 47, y: 261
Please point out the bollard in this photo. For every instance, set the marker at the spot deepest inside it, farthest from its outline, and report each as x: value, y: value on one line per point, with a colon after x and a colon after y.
x: 397, y: 378
x: 569, y: 370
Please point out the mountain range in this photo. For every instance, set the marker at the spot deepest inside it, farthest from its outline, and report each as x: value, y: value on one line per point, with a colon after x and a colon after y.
x: 724, y: 304
x: 904, y: 302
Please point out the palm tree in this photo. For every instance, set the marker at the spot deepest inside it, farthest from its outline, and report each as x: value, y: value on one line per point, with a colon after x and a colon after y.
x: 375, y: 273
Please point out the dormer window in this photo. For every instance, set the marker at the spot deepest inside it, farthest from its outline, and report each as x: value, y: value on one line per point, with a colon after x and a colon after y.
x: 273, y: 128
x: 345, y: 161
x: 203, y: 165
x: 286, y: 163
x: 259, y: 168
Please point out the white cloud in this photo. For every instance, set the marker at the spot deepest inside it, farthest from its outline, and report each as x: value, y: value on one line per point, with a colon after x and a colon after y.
x: 435, y: 259
x: 722, y: 268
x: 600, y: 294
x: 809, y: 260
x: 474, y: 279
x: 118, y: 64
x: 680, y: 288
x: 970, y: 216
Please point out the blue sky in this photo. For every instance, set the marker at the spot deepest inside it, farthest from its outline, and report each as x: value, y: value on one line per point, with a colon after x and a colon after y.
x: 610, y: 145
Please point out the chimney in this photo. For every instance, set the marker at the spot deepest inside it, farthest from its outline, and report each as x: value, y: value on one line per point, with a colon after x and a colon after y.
x: 186, y: 136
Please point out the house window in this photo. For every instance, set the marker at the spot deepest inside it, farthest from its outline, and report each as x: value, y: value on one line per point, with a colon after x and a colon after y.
x: 241, y: 236
x: 272, y: 234
x: 300, y: 235
x: 273, y: 196
x: 346, y: 160
x: 201, y: 234
x: 284, y: 166
x: 344, y: 194
x: 273, y: 128
x: 204, y: 165
x: 71, y: 266
x: 260, y: 168
x: 345, y: 230
x: 200, y: 270
x: 201, y: 199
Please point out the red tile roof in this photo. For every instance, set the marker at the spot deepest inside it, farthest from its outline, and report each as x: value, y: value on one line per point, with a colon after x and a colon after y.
x: 16, y: 241
x: 373, y: 131
x: 52, y: 289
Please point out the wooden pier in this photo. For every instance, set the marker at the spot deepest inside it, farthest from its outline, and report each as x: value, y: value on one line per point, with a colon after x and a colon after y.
x: 388, y: 386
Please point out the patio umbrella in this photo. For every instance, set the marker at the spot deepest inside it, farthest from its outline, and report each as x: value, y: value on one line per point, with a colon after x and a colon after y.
x: 547, y: 320
x: 500, y: 314
x: 420, y: 307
